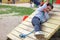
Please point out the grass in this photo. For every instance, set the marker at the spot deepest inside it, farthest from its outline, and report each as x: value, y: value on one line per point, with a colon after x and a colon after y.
x: 19, y: 10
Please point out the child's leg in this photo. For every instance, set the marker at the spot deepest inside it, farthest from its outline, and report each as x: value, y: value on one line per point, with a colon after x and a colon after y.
x: 37, y: 3
x: 38, y: 28
x: 31, y: 3
x: 36, y: 23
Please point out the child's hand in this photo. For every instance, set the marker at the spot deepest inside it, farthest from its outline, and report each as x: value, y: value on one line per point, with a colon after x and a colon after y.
x: 44, y: 10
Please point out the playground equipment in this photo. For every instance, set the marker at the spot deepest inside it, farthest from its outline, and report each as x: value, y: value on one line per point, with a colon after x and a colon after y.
x: 24, y: 31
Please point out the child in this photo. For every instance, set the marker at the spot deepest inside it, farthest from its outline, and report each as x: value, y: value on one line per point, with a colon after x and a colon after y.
x: 41, y: 16
x: 36, y: 2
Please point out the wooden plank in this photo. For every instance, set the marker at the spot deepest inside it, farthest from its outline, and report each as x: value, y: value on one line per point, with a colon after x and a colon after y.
x: 50, y: 25
x: 28, y: 24
x: 56, y: 17
x: 45, y: 24
x: 57, y: 13
x: 56, y: 9
x: 13, y: 37
x: 21, y: 30
x: 24, y: 31
x: 57, y: 22
x: 18, y: 33
x: 23, y: 26
x: 48, y: 37
x: 26, y: 27
x: 46, y: 29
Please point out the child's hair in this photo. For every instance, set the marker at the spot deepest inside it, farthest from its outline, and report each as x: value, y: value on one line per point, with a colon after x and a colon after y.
x: 49, y: 4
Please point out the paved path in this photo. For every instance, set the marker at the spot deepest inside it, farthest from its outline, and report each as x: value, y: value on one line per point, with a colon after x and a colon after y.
x: 7, y: 23
x: 19, y: 5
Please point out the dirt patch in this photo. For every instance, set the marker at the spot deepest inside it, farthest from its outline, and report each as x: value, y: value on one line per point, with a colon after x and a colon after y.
x: 7, y: 23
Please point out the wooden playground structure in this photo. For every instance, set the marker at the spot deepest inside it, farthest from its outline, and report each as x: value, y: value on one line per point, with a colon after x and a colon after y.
x: 49, y: 27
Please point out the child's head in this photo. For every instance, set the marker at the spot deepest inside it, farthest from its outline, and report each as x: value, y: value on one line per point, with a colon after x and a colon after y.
x: 49, y: 7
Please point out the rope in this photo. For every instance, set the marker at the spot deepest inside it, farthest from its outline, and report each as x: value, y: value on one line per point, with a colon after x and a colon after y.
x: 25, y: 35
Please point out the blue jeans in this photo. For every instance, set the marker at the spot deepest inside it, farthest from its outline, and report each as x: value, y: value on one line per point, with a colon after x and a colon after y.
x: 35, y: 2
x: 37, y: 24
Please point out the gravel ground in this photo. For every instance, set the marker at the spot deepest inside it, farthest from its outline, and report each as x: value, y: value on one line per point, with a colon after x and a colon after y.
x: 7, y: 23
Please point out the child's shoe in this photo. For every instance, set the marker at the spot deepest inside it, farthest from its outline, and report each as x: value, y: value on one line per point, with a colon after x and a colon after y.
x: 39, y: 35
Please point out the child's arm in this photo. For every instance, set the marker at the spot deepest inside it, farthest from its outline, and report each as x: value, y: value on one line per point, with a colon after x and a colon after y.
x: 44, y: 6
x: 46, y: 2
x: 47, y: 15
